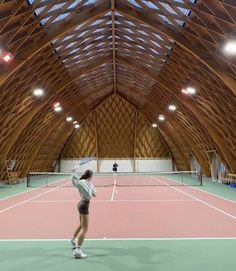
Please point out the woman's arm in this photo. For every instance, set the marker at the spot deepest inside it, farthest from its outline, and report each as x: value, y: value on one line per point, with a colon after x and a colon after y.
x: 75, y: 179
x: 94, y: 192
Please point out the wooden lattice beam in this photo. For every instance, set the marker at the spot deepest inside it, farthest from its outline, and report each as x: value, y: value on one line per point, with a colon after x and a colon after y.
x: 53, y: 33
x: 176, y: 146
x: 113, y: 42
x: 4, y: 149
x: 25, y: 121
x: 197, y: 152
x: 47, y: 133
x: 60, y: 138
x: 136, y: 14
x: 200, y: 116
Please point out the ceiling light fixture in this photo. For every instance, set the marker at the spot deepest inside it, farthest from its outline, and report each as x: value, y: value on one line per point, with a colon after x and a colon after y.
x: 38, y: 92
x: 161, y: 117
x: 57, y: 107
x: 172, y: 107
x: 69, y: 119
x: 230, y: 47
x: 189, y: 91
x: 6, y: 57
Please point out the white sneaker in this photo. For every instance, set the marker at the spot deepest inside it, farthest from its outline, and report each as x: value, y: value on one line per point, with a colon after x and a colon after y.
x: 72, y: 243
x: 79, y: 254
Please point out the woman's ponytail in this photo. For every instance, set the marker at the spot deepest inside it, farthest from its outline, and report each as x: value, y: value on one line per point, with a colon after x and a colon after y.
x: 87, y: 174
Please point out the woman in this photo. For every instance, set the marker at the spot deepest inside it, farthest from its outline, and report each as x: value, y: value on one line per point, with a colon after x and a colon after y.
x: 86, y: 190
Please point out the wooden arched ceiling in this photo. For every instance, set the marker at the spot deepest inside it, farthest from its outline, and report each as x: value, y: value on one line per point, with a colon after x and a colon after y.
x: 82, y: 51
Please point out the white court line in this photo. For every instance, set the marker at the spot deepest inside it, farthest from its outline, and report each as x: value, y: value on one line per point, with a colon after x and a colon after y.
x: 202, y: 201
x: 106, y: 200
x: 198, y: 189
x: 31, y: 189
x: 124, y: 239
x: 34, y: 197
x: 114, y: 188
x: 230, y: 200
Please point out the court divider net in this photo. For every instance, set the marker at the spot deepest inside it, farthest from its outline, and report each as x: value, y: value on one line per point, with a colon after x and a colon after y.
x: 122, y: 179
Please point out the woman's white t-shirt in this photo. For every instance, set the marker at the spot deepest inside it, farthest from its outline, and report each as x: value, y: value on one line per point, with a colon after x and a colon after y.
x: 86, y: 188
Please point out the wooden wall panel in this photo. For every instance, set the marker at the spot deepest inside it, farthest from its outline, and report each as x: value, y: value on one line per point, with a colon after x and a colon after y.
x: 117, y: 130
x: 149, y: 142
x: 83, y: 141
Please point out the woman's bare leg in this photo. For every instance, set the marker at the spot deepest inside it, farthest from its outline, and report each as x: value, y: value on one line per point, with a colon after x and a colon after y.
x: 78, y: 253
x: 78, y: 229
x: 84, y: 221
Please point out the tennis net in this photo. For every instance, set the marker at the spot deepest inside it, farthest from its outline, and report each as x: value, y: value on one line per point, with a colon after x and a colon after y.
x: 125, y: 179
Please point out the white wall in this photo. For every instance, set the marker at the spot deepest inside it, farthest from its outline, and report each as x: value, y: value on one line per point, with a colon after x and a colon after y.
x: 153, y: 165
x: 69, y: 165
x: 123, y: 165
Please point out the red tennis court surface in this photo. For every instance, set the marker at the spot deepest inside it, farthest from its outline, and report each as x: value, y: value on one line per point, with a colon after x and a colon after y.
x: 119, y: 212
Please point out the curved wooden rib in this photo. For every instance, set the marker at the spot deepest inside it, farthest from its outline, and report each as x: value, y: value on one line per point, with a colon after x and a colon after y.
x: 196, y: 111
x: 53, y: 33
x: 200, y: 116
x: 173, y: 141
x: 181, y: 129
x: 197, y: 152
x: 59, y: 140
x: 29, y: 116
x: 180, y: 39
x: 36, y: 148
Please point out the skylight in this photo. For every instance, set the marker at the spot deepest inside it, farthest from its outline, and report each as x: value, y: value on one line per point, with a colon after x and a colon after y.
x: 45, y: 20
x: 70, y: 45
x: 67, y: 37
x: 133, y: 2
x: 97, y: 22
x: 151, y: 5
x: 74, y: 4
x: 60, y: 17
x: 56, y: 7
x: 167, y: 11
x: 168, y: 8
x: 60, y: 8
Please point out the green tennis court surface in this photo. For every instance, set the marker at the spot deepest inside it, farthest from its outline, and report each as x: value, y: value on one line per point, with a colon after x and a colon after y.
x: 120, y: 255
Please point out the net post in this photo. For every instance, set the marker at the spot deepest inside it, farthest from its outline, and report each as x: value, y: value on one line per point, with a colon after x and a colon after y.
x: 28, y: 184
x: 182, y: 178
x: 46, y: 179
x: 200, y: 177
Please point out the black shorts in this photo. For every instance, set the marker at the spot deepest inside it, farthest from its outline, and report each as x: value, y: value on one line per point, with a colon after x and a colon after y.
x: 83, y: 207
